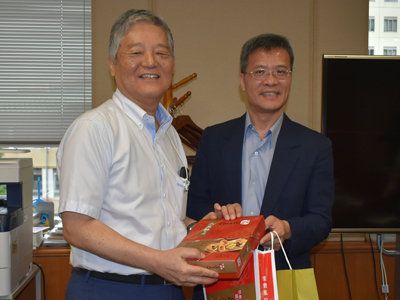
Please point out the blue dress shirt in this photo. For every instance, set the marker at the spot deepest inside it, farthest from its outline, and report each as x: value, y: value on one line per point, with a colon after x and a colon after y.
x: 256, y: 162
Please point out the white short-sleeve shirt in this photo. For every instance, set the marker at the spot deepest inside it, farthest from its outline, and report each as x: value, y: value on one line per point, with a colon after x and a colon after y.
x: 112, y: 168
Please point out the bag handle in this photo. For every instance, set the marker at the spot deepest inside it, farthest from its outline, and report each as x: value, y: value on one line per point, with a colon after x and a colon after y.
x: 283, y: 249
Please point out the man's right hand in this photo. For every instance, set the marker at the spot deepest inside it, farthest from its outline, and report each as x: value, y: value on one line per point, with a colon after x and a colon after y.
x: 228, y: 212
x: 94, y: 236
x: 172, y: 266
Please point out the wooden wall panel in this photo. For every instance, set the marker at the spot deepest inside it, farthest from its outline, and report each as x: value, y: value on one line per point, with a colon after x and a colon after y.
x: 331, y: 276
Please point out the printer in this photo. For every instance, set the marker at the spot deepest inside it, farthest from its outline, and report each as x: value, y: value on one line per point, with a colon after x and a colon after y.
x: 16, y: 237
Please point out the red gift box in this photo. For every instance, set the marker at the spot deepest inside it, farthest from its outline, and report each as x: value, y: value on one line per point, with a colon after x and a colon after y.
x: 237, y: 289
x: 226, y: 244
x: 258, y: 281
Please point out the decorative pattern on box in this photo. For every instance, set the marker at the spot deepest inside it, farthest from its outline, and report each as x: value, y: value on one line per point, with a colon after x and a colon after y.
x: 234, y: 289
x: 226, y: 244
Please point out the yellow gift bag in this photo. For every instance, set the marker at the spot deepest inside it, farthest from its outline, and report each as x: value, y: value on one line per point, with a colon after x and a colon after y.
x: 296, y: 284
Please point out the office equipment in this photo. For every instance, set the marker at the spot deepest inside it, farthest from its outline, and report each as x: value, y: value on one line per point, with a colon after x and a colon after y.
x: 38, y: 236
x: 45, y: 212
x: 24, y: 289
x: 361, y: 116
x: 38, y: 199
x: 16, y: 178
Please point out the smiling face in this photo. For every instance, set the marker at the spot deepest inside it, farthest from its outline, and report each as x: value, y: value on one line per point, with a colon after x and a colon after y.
x: 144, y: 68
x: 267, y: 97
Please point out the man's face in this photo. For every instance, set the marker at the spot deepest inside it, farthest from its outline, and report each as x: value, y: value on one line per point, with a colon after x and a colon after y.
x: 144, y: 68
x: 267, y: 96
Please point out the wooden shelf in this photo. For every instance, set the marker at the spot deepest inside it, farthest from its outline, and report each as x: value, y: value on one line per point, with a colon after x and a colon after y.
x: 54, y: 262
x: 330, y: 272
x: 327, y: 260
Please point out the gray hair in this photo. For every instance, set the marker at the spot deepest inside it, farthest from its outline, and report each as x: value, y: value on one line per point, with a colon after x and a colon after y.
x: 124, y: 22
x: 267, y: 41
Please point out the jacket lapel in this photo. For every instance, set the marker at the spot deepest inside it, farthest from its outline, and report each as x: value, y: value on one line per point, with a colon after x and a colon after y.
x: 232, y: 147
x: 283, y: 161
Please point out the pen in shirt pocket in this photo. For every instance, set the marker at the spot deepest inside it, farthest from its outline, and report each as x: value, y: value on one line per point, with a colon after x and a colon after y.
x: 184, y: 172
x: 184, y: 175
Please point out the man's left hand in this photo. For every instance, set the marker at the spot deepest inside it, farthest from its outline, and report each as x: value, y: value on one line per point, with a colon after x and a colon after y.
x: 282, y: 227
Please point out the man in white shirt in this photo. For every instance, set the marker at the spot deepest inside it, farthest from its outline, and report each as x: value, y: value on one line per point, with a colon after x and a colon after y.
x: 122, y: 195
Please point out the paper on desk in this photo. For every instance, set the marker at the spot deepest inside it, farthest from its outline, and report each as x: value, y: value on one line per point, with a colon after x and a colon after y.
x: 37, y: 229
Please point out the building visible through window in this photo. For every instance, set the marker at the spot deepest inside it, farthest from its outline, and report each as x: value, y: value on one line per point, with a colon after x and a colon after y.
x: 383, y: 35
x: 371, y: 51
x: 390, y: 24
x: 389, y: 51
x: 44, y: 171
x: 371, y: 26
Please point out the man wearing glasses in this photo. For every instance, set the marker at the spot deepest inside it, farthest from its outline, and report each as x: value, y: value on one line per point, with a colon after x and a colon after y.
x: 265, y: 164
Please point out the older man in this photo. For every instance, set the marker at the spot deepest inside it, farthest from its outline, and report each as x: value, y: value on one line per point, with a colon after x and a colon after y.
x: 122, y: 197
x: 265, y: 162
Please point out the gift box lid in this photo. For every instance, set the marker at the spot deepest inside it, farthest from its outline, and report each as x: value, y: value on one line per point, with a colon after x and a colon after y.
x: 226, y: 244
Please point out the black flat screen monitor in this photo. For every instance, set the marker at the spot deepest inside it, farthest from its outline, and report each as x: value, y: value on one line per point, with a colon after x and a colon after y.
x: 361, y: 116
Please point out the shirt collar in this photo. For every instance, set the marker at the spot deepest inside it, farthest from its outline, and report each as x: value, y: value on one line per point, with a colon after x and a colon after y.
x: 138, y: 115
x: 274, y: 130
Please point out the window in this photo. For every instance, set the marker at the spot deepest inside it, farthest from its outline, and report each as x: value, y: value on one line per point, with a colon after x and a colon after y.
x: 389, y: 51
x: 44, y: 172
x: 371, y: 51
x: 45, y: 69
x: 371, y: 25
x: 390, y: 24
x: 49, y: 187
x: 3, y: 190
x: 45, y: 80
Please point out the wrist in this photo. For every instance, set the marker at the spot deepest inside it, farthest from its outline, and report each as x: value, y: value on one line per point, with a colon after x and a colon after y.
x: 190, y: 226
x: 287, y: 230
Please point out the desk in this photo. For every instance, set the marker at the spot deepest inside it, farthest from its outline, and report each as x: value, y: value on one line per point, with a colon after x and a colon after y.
x: 56, y: 268
x: 28, y: 287
x: 326, y: 258
x: 328, y: 263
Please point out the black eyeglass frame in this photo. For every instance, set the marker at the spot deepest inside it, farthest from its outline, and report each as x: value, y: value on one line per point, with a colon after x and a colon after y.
x: 267, y: 73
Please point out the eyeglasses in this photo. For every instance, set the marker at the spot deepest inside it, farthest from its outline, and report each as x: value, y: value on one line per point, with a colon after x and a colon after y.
x: 261, y: 74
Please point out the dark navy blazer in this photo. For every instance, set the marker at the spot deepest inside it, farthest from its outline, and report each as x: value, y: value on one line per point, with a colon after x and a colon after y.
x: 300, y: 187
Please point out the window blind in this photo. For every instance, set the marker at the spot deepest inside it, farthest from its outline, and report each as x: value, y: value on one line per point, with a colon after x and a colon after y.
x: 45, y: 69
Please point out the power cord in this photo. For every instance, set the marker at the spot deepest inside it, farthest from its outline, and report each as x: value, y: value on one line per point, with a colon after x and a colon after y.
x: 345, y: 267
x: 379, y: 242
x: 385, y: 285
x: 44, y: 283
x: 373, y: 256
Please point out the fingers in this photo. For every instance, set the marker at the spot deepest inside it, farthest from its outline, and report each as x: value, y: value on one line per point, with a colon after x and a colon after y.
x: 193, y: 253
x: 228, y: 212
x: 265, y: 242
x: 198, y: 275
x: 281, y: 227
x: 176, y: 270
x: 211, y: 216
x: 218, y: 210
x: 217, y: 207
